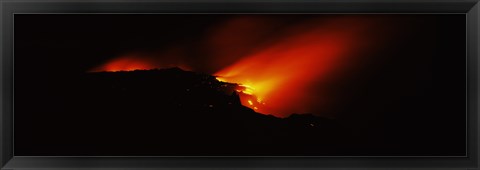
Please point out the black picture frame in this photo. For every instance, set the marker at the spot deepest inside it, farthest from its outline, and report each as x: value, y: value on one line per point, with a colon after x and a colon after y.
x: 10, y: 7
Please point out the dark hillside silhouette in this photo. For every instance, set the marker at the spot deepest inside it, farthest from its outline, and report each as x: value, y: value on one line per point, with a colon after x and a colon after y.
x: 181, y: 112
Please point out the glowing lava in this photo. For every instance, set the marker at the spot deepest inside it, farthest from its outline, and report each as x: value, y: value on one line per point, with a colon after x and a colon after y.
x: 133, y: 62
x: 125, y: 63
x: 277, y: 80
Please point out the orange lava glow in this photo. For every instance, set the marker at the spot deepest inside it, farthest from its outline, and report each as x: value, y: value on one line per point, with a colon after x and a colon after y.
x: 133, y: 62
x: 275, y: 80
x: 125, y: 64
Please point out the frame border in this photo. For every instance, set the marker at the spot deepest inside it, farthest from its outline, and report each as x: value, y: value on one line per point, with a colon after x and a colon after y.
x: 9, y: 7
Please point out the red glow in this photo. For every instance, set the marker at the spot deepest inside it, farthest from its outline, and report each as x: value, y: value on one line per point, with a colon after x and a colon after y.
x: 133, y: 62
x: 229, y: 41
x: 277, y: 78
x: 125, y: 64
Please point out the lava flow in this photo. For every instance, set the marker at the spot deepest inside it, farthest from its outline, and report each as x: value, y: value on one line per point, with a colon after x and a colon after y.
x: 276, y: 80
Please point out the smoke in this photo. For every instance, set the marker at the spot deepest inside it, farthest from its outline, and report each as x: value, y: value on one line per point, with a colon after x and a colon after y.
x: 278, y: 77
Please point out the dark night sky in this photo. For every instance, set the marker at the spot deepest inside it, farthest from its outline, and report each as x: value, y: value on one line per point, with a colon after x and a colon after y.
x: 411, y: 91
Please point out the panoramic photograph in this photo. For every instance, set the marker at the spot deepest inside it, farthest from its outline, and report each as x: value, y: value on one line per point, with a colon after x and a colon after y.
x: 240, y: 85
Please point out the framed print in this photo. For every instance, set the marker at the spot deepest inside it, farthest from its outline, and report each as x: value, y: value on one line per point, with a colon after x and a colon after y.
x: 239, y: 84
